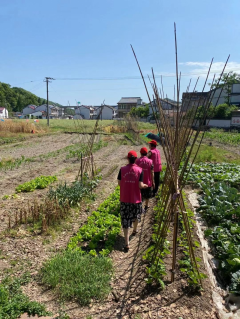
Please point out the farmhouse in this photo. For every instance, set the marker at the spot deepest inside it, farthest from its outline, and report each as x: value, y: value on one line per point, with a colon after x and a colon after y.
x: 126, y: 104
x: 3, y: 113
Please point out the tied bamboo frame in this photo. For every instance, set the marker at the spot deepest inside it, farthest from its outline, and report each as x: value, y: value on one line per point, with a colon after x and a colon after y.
x: 177, y: 137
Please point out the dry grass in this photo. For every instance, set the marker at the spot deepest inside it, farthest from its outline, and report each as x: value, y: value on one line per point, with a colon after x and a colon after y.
x: 16, y: 126
x: 115, y: 129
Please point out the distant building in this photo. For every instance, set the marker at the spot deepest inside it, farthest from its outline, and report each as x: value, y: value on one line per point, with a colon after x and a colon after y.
x: 3, y: 113
x: 108, y: 112
x: 166, y: 105
x: 220, y: 96
x: 86, y: 112
x: 29, y: 109
x: 126, y: 104
x: 54, y: 111
x: 193, y: 99
x: 216, y: 96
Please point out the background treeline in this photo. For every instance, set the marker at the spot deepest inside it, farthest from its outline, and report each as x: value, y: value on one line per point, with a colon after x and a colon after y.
x: 15, y: 99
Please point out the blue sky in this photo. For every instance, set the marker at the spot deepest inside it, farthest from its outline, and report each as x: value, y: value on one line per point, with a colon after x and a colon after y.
x: 91, y: 40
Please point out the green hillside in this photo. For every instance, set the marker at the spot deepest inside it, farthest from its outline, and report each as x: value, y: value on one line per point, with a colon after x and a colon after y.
x: 15, y: 99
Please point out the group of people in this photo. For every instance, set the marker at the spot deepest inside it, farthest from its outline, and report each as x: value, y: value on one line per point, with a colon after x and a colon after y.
x: 138, y: 181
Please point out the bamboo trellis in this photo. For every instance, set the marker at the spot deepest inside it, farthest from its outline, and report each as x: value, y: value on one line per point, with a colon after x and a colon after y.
x: 178, y: 133
x: 87, y: 164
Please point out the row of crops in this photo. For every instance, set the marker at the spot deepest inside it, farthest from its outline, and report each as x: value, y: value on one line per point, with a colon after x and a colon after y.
x: 220, y: 207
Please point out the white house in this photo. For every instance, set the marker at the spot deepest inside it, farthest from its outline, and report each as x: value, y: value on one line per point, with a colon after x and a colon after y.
x: 85, y: 111
x: 108, y: 112
x: 29, y: 109
x: 3, y: 113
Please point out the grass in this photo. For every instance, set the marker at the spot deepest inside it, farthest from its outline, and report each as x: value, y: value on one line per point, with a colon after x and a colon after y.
x: 86, y: 125
x: 69, y: 125
x: 214, y: 154
x: 74, y: 276
x: 13, y: 302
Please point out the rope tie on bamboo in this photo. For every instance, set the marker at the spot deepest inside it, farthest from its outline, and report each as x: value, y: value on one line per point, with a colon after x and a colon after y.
x: 175, y: 195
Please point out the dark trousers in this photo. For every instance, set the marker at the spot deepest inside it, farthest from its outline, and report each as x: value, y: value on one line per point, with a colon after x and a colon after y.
x: 156, y: 181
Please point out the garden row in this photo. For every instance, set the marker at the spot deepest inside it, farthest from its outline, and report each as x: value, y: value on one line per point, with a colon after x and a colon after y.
x: 83, y: 271
x: 72, y: 151
x: 220, y: 207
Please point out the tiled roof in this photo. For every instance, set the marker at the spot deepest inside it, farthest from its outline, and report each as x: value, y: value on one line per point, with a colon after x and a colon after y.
x: 32, y: 106
x: 2, y: 108
x: 129, y: 100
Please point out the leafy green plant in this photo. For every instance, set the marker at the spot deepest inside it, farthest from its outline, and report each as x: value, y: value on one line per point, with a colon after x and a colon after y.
x: 99, y: 234
x: 75, y: 192
x: 78, y: 277
x: 37, y: 183
x: 203, y: 173
x: 13, y: 302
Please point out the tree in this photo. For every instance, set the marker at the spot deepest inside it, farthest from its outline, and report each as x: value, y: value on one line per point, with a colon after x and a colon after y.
x: 224, y: 111
x: 17, y: 98
x: 141, y: 111
x: 228, y: 79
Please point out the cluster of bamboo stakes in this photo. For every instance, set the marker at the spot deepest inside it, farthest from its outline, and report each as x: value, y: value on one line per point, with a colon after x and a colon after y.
x: 178, y: 134
x: 45, y: 214
x: 87, y: 165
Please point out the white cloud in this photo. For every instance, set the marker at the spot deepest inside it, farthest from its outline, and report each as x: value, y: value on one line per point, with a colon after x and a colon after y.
x: 201, y: 68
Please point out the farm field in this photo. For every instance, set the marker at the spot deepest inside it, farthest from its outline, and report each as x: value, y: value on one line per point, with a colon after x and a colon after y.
x: 27, y: 246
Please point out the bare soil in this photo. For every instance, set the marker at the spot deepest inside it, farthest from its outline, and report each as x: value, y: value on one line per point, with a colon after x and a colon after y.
x: 25, y: 251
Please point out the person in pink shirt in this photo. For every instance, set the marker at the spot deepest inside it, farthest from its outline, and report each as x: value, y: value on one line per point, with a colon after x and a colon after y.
x: 148, y: 175
x: 130, y: 180
x: 154, y: 155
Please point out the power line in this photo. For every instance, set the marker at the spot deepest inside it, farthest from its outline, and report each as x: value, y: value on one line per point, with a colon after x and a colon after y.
x: 139, y: 78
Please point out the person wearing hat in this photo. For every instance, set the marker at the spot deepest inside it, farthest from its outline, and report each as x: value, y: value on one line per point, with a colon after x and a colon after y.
x: 154, y: 155
x: 130, y: 180
x: 148, y: 175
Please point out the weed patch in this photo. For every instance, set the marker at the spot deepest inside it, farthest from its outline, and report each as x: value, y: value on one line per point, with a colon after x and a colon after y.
x: 224, y: 137
x: 216, y: 155
x: 75, y: 276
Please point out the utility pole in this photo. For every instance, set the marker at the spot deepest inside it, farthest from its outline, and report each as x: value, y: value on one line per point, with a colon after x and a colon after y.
x: 47, y: 81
